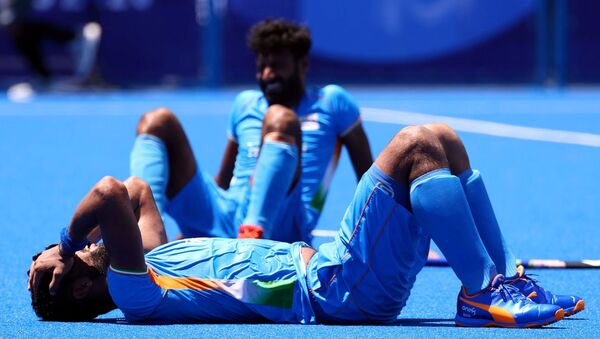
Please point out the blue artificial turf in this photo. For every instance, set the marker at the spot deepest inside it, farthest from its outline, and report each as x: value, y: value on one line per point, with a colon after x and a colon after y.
x: 546, y: 195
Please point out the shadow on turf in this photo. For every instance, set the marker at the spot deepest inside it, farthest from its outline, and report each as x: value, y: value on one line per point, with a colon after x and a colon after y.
x: 415, y: 322
x: 423, y: 322
x: 411, y: 322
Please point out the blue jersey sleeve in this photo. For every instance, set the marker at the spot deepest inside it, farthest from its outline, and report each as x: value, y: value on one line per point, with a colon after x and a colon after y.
x: 343, y: 107
x: 240, y: 104
x: 136, y: 295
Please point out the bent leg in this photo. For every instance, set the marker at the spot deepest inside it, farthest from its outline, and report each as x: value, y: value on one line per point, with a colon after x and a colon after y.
x: 416, y: 157
x: 367, y: 272
x: 162, y: 155
x: 487, y: 224
x: 479, y: 201
x: 277, y: 171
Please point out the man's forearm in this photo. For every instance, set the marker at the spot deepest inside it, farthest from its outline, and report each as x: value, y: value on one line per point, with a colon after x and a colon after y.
x: 357, y: 144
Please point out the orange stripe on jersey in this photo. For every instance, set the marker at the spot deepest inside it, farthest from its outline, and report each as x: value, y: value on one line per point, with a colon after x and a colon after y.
x: 178, y: 283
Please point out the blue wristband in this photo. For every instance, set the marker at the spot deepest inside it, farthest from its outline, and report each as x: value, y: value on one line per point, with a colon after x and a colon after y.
x: 67, y: 245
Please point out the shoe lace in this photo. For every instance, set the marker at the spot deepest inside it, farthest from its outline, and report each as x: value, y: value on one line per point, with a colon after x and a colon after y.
x: 530, y: 278
x: 510, y: 292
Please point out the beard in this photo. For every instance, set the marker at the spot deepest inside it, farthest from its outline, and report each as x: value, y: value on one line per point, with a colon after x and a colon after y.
x: 99, y: 260
x: 286, y: 92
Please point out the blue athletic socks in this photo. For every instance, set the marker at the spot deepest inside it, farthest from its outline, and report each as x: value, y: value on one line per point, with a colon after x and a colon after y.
x: 487, y: 225
x: 441, y: 208
x: 149, y: 161
x: 273, y: 176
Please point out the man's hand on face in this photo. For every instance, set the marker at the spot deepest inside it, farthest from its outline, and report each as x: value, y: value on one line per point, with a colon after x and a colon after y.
x: 49, y: 261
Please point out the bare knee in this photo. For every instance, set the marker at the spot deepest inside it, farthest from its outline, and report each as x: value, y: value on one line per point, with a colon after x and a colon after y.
x: 159, y: 122
x: 453, y: 147
x: 418, y: 141
x: 444, y: 133
x: 109, y: 189
x: 136, y: 184
x: 412, y: 152
x: 281, y: 124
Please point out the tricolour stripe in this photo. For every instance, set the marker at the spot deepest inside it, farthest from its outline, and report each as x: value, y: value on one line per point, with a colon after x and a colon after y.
x: 178, y: 283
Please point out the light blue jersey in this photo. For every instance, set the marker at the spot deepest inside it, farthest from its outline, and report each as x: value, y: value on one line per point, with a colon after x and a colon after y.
x: 326, y: 114
x: 363, y: 276
x: 216, y: 280
x: 201, y: 209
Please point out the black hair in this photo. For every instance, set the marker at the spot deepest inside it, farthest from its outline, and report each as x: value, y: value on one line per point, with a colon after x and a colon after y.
x: 273, y: 35
x: 63, y: 306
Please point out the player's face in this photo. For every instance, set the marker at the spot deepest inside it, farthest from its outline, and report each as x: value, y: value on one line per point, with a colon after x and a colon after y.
x: 95, y: 261
x: 96, y: 257
x: 280, y: 76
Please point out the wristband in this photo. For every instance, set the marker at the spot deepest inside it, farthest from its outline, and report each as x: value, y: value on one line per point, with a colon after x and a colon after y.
x: 67, y: 246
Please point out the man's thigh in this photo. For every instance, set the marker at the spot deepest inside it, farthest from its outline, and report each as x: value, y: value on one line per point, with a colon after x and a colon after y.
x: 202, y: 209
x: 366, y: 273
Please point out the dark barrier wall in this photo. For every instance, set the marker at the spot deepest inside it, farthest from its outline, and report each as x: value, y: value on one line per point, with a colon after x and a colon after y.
x: 400, y: 41
x: 391, y: 41
x: 158, y: 42
x: 582, y: 61
x: 143, y: 41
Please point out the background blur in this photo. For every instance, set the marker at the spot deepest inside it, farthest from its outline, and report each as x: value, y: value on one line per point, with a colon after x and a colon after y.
x: 202, y: 42
x: 506, y: 74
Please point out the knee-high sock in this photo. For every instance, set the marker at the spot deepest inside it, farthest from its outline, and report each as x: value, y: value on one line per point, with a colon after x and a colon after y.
x: 441, y: 208
x: 487, y: 225
x: 273, y: 176
x: 149, y: 161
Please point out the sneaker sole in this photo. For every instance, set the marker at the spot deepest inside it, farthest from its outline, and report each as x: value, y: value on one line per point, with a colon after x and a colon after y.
x: 466, y: 322
x: 580, y: 306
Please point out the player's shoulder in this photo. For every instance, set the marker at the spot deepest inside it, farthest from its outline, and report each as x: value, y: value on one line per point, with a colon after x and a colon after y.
x: 334, y: 92
x: 247, y: 97
x: 336, y: 98
x: 244, y: 103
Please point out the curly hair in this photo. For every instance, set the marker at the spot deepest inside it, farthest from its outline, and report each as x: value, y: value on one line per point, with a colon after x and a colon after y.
x: 275, y: 35
x: 63, y: 306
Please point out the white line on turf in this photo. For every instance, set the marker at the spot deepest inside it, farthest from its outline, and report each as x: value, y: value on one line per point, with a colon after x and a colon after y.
x: 482, y: 127
x: 473, y: 126
x: 324, y: 233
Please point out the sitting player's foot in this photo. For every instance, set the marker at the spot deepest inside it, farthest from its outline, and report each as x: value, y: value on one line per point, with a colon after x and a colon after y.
x: 250, y: 232
x: 529, y: 287
x: 502, y: 305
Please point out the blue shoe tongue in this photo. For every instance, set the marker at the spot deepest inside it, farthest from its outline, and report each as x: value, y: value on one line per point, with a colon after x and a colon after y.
x: 498, y: 279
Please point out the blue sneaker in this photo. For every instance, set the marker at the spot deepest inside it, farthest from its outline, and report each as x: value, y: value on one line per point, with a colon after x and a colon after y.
x: 529, y: 287
x: 502, y: 305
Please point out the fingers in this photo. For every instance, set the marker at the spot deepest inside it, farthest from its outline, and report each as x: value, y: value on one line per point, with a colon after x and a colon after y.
x: 57, y: 276
x: 36, y: 277
x: 49, y: 262
x: 29, y: 277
